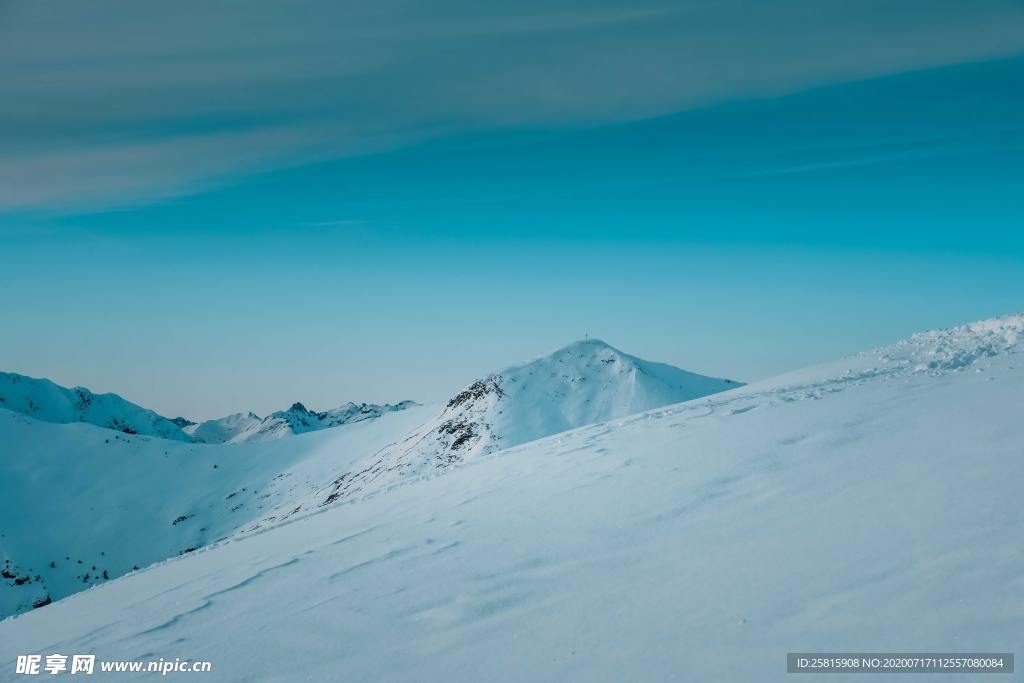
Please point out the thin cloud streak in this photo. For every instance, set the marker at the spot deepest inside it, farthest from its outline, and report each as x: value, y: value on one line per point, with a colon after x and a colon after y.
x: 123, y: 102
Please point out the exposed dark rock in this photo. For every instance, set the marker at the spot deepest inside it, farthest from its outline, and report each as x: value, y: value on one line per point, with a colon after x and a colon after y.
x: 477, y: 389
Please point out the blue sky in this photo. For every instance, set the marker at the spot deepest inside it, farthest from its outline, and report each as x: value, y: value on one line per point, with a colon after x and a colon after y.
x: 733, y: 212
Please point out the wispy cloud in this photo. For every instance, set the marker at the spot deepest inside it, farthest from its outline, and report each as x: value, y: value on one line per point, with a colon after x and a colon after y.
x: 121, y: 101
x: 826, y: 158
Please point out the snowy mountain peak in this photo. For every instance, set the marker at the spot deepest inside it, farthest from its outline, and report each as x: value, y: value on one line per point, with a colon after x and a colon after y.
x: 586, y: 344
x: 581, y: 348
x: 586, y: 382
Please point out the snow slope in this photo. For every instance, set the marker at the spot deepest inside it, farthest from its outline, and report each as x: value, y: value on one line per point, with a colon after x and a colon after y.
x: 298, y: 419
x: 871, y: 504
x: 96, y: 503
x: 44, y: 400
x: 583, y: 383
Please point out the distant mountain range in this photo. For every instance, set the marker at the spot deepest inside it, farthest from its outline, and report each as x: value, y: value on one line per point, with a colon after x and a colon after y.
x: 298, y: 419
x: 43, y: 400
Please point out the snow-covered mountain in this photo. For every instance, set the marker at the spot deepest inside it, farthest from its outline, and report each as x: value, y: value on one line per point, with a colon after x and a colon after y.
x: 43, y: 400
x: 580, y: 384
x: 866, y: 505
x: 298, y: 419
x: 583, y: 383
x: 201, y: 492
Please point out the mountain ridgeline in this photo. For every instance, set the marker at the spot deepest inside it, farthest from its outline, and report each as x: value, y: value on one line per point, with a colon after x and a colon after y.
x: 43, y: 400
x: 298, y: 419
